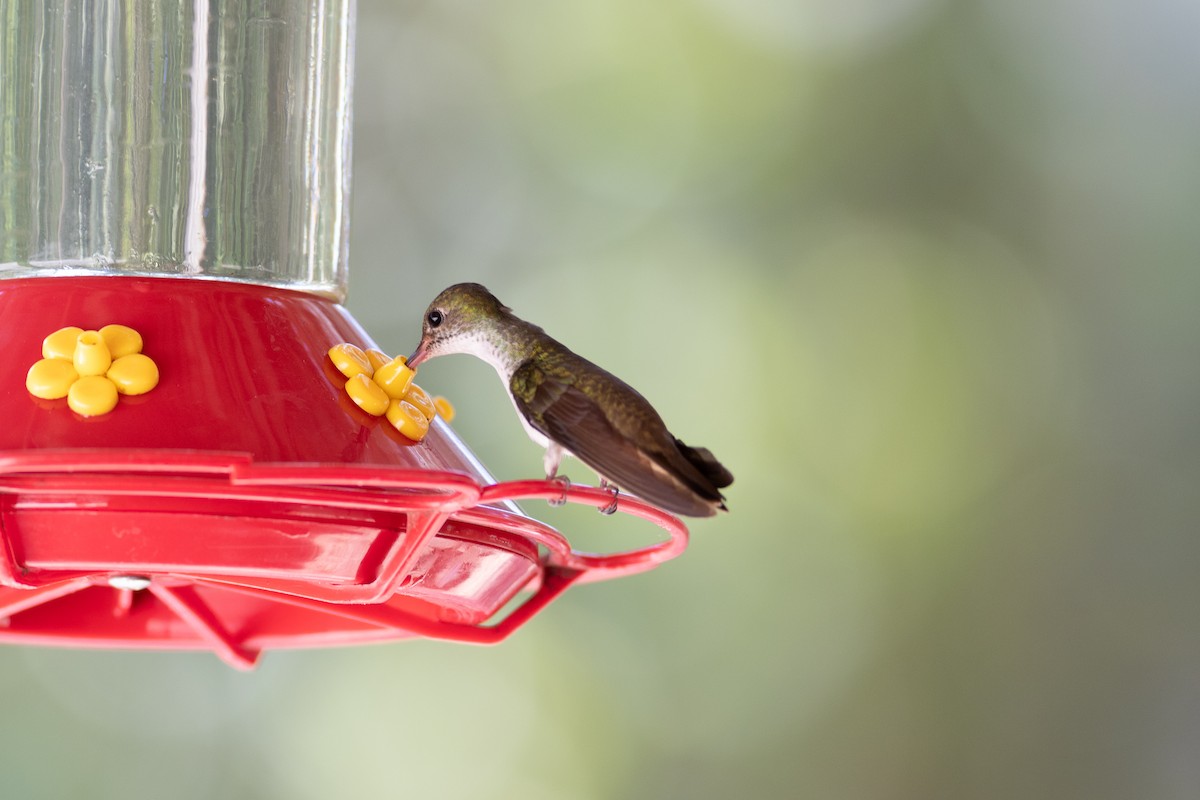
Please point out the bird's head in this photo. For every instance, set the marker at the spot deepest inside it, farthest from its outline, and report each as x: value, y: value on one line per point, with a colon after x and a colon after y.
x: 466, y: 318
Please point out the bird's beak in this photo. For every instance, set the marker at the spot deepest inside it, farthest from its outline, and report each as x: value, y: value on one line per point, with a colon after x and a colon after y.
x: 418, y: 355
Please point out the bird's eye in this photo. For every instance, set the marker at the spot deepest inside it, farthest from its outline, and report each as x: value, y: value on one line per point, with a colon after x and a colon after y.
x: 435, y: 318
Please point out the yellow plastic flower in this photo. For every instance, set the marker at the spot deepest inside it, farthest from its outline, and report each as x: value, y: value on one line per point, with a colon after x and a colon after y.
x: 383, y: 386
x: 91, y: 368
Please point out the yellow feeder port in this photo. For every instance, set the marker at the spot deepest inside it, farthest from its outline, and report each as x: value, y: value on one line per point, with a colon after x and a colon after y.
x: 91, y: 354
x: 395, y: 377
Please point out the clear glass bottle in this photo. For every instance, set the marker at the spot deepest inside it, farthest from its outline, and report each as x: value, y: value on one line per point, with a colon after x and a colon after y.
x: 191, y: 138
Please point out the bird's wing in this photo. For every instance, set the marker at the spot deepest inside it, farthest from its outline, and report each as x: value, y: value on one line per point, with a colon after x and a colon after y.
x: 565, y: 414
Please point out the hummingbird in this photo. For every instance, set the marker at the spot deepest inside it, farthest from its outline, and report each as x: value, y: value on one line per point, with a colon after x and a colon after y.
x: 570, y: 406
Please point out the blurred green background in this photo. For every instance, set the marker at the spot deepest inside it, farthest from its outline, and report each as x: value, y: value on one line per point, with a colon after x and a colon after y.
x: 923, y: 273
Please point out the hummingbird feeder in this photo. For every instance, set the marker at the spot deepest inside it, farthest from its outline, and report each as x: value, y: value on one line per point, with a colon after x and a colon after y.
x: 180, y: 465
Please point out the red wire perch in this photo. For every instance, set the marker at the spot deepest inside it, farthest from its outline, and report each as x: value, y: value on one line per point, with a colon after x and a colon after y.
x: 593, y: 566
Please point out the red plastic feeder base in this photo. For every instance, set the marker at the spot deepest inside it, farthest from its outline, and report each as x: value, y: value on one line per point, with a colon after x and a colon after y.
x: 245, y: 503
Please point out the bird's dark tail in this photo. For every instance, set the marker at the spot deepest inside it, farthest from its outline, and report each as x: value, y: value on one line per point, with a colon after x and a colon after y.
x: 707, y: 465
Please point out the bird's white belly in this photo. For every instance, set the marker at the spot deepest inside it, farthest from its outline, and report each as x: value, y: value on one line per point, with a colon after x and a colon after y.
x: 537, y: 436
x: 482, y: 350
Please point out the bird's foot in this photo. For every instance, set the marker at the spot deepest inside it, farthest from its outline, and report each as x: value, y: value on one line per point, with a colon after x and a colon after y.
x: 611, y: 508
x: 565, y: 483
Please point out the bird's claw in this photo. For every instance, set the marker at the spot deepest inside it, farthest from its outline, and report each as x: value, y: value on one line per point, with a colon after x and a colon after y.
x: 564, y: 482
x: 611, y: 508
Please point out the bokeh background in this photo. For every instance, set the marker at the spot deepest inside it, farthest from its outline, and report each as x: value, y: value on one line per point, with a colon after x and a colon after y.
x: 923, y: 273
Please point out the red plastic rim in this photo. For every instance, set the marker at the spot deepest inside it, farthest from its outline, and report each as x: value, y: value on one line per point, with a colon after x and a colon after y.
x: 176, y: 550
